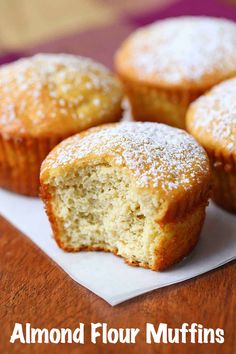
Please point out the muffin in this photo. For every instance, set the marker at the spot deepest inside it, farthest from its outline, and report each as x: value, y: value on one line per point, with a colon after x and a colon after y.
x: 138, y: 190
x: 212, y: 121
x: 44, y: 99
x: 167, y: 65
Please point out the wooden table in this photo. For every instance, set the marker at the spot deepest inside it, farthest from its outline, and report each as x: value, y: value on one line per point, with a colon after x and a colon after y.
x: 34, y: 289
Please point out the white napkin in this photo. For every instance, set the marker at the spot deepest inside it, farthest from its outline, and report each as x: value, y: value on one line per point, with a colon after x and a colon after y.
x: 107, y: 275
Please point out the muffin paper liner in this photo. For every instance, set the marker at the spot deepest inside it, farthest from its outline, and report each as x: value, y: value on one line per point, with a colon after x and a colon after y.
x: 158, y: 104
x: 224, y: 180
x: 20, y: 161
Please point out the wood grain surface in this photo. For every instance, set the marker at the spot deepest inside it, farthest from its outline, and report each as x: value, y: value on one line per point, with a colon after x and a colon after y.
x: 34, y: 289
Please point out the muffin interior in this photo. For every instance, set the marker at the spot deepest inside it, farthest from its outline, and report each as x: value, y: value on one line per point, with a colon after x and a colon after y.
x: 96, y: 207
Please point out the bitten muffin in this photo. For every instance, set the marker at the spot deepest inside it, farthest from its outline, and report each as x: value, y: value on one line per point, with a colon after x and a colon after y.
x: 138, y: 190
x: 167, y: 65
x: 44, y: 99
x: 212, y: 121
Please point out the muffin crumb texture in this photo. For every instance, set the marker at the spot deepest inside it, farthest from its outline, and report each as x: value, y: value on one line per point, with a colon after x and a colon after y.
x: 111, y: 189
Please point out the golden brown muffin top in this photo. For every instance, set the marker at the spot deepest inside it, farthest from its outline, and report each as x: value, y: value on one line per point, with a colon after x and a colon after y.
x: 181, y: 52
x: 166, y: 160
x: 212, y: 119
x: 56, y: 94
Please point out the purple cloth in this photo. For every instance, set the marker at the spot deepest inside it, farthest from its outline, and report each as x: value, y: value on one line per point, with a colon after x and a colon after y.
x: 216, y: 8
x: 8, y: 57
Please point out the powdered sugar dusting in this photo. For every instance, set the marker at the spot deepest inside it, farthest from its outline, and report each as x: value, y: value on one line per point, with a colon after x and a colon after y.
x: 183, y: 49
x: 40, y: 90
x: 157, y: 155
x: 215, y: 115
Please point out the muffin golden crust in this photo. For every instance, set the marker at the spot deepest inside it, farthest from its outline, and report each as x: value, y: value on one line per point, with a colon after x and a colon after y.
x: 168, y: 64
x: 44, y: 99
x: 212, y: 121
x: 136, y: 189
